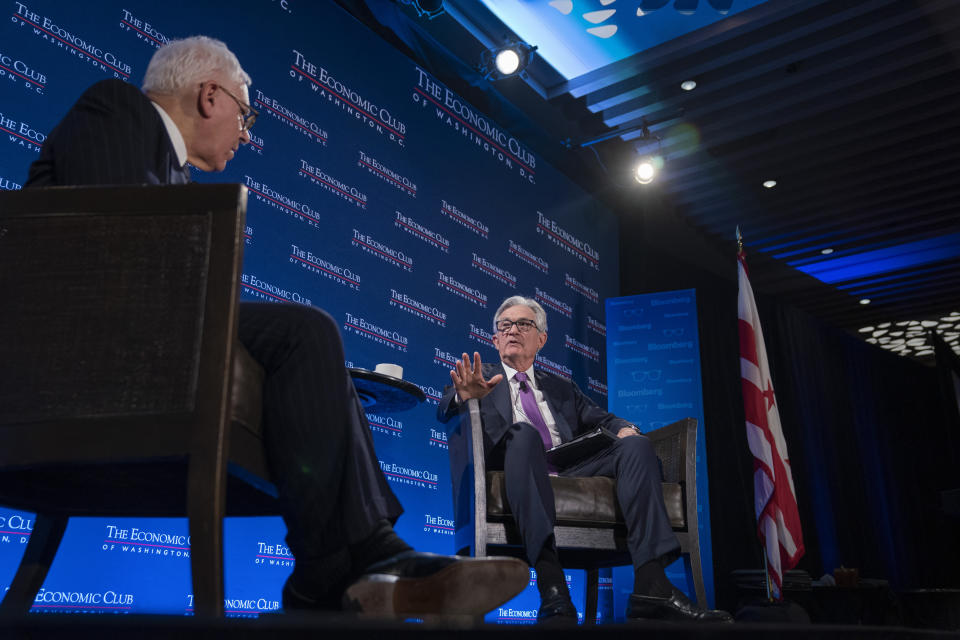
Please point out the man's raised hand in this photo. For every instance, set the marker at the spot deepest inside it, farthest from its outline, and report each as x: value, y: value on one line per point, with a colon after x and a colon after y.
x: 468, y: 379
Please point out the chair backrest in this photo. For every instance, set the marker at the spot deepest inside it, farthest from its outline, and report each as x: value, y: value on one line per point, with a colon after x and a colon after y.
x: 119, y: 318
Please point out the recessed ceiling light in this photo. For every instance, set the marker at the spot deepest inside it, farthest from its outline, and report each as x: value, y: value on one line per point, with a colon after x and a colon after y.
x: 864, y: 300
x: 826, y: 251
x: 770, y: 184
x: 688, y: 85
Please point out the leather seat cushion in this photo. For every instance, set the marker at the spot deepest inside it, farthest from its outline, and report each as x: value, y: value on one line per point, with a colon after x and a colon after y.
x: 584, y: 501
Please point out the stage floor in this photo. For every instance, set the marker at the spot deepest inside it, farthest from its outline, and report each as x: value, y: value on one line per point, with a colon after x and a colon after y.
x: 55, y: 626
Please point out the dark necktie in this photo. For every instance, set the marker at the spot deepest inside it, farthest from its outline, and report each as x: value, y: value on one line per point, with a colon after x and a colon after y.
x: 529, y: 404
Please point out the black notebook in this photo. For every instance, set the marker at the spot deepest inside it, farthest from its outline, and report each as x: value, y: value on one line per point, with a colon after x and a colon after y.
x: 580, y: 448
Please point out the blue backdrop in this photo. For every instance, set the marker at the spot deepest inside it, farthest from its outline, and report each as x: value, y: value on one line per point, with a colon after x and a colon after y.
x: 377, y: 194
x: 653, y: 371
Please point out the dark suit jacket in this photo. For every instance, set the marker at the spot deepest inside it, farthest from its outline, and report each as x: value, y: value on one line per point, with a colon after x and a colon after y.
x: 112, y: 135
x: 573, y: 412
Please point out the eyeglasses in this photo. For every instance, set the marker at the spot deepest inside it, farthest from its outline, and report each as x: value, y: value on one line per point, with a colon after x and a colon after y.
x: 248, y: 114
x: 523, y: 325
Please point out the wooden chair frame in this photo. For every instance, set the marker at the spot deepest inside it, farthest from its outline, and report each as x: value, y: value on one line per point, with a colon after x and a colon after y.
x: 69, y: 440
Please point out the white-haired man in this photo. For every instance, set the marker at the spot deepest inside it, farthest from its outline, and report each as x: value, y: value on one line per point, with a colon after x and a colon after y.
x: 534, y: 411
x: 339, y: 510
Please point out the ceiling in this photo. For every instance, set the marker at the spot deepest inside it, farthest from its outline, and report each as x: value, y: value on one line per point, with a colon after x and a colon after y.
x: 852, y: 107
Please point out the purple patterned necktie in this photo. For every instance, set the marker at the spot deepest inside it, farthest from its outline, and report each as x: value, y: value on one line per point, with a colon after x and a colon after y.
x: 529, y: 404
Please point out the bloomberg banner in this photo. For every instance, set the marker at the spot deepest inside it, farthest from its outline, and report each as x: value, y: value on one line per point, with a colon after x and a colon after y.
x: 653, y: 375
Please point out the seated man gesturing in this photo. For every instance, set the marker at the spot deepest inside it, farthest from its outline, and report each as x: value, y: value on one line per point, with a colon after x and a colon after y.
x: 525, y: 412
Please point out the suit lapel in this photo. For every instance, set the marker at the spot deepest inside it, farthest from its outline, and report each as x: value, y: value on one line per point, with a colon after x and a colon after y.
x: 500, y: 396
x: 550, y: 386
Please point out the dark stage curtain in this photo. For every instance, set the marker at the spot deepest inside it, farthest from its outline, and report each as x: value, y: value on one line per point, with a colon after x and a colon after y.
x: 867, y: 433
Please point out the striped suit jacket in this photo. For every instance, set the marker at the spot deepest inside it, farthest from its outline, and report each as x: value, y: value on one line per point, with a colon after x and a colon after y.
x: 112, y: 135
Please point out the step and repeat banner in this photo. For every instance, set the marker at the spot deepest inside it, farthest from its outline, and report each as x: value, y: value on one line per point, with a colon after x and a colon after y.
x: 377, y: 194
x: 653, y: 369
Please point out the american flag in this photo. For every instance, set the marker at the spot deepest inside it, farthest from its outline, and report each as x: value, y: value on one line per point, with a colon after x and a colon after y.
x: 775, y: 500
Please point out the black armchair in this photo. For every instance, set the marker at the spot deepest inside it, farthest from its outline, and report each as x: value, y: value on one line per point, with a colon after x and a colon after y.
x: 124, y: 390
x: 590, y: 531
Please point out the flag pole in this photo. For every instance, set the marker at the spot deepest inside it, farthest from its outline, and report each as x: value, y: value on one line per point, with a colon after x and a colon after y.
x: 766, y: 575
x: 763, y: 551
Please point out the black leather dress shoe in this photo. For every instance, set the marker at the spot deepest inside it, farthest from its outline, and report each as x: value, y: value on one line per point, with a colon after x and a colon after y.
x: 294, y: 600
x: 555, y: 606
x: 413, y: 584
x: 677, y: 607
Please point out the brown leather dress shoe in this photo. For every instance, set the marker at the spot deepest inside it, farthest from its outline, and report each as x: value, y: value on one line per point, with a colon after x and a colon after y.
x: 677, y: 607
x: 413, y: 584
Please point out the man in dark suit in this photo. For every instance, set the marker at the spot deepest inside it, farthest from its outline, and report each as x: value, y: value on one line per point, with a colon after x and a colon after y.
x: 525, y: 412
x: 335, y: 501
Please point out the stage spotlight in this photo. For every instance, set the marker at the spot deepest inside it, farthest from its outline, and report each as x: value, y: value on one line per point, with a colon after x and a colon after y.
x: 645, y: 171
x: 506, y: 61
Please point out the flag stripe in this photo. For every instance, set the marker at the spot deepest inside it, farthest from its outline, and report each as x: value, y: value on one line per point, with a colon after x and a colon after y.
x: 750, y: 371
x: 748, y: 344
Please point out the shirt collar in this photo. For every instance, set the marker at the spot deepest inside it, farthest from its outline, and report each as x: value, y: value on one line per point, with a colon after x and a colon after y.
x: 179, y: 144
x: 511, y: 372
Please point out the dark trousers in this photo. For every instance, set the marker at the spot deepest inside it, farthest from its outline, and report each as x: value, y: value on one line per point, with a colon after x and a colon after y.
x: 316, y: 434
x: 631, y: 461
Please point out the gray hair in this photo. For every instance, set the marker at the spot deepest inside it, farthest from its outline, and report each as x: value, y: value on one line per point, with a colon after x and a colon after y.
x: 182, y: 63
x: 539, y: 315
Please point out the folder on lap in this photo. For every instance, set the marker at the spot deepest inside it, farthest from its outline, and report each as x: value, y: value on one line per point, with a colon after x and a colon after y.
x: 580, y: 448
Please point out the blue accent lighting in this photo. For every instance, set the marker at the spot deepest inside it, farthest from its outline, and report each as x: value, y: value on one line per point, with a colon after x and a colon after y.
x: 886, y: 260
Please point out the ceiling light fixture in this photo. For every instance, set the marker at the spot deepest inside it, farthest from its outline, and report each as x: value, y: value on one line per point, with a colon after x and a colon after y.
x: 915, y: 341
x: 864, y: 300
x: 649, y: 165
x: 826, y: 251
x: 507, y: 61
x: 645, y: 171
x: 770, y: 184
x: 688, y: 85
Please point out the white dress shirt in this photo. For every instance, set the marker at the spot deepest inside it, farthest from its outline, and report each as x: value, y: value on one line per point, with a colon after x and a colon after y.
x: 179, y: 144
x: 519, y: 415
